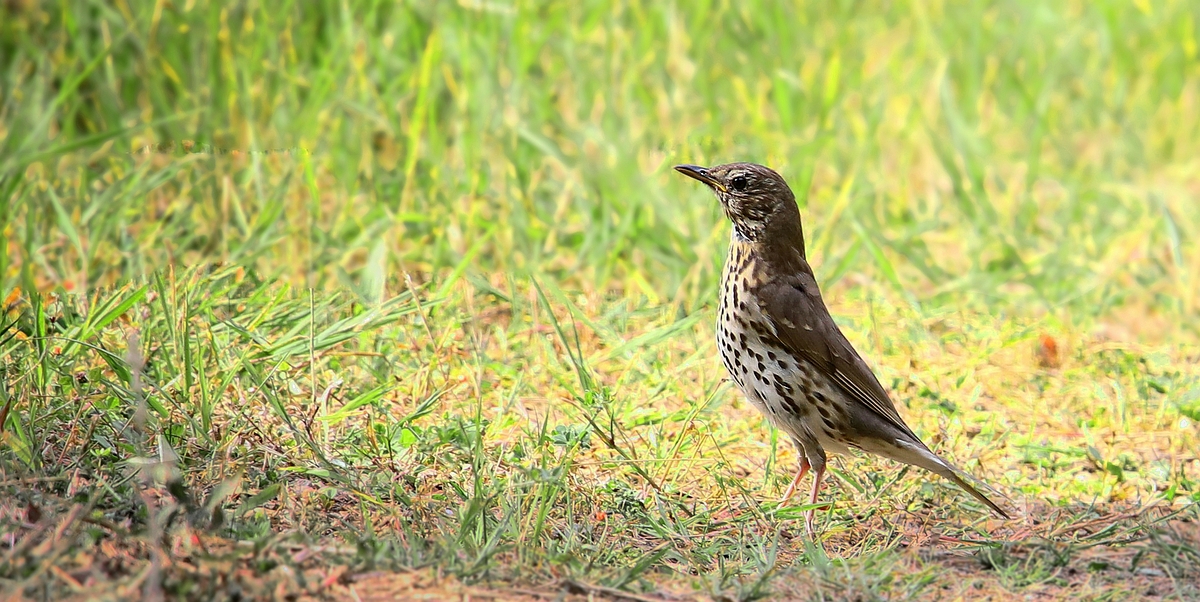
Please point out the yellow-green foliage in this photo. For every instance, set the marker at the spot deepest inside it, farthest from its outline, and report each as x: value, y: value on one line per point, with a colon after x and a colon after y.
x: 418, y: 276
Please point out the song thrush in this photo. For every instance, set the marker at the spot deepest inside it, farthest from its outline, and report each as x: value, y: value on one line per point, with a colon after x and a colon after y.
x: 782, y: 348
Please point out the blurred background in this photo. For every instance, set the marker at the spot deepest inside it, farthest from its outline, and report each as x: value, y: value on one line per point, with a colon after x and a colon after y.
x: 419, y: 274
x: 1024, y: 156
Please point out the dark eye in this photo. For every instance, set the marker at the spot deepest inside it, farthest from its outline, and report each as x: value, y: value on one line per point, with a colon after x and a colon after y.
x: 739, y: 182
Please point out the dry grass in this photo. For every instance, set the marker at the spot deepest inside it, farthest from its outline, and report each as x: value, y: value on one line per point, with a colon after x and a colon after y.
x: 504, y: 461
x: 453, y: 338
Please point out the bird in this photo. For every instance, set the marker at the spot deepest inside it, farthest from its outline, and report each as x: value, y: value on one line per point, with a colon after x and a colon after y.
x: 782, y: 348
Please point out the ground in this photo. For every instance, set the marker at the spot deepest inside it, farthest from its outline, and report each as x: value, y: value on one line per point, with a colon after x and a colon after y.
x: 391, y: 301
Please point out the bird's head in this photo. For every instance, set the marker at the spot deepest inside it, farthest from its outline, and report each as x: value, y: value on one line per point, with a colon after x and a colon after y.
x: 755, y: 198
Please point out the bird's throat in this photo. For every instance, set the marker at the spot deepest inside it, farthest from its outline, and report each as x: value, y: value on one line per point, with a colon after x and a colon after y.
x: 746, y: 232
x: 784, y: 255
x: 745, y: 263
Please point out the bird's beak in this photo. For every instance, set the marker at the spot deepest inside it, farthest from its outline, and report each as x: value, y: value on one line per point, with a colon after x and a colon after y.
x: 700, y: 173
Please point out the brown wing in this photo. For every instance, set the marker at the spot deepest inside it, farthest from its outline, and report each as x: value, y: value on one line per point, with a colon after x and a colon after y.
x: 802, y: 323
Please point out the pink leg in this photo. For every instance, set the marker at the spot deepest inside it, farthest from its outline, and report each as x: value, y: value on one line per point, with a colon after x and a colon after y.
x: 819, y: 473
x: 787, y: 495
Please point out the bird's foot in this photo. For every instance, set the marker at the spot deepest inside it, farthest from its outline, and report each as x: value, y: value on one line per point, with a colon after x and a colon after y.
x: 787, y: 495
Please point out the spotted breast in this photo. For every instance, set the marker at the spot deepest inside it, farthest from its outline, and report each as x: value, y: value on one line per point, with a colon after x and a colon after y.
x: 795, y: 397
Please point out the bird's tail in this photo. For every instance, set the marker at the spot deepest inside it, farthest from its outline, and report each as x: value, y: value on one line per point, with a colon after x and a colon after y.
x: 919, y: 455
x: 950, y: 474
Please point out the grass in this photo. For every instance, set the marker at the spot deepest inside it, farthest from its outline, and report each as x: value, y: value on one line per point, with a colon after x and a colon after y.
x: 335, y: 299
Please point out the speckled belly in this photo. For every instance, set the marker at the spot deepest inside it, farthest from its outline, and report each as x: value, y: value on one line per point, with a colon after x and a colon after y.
x: 788, y: 391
